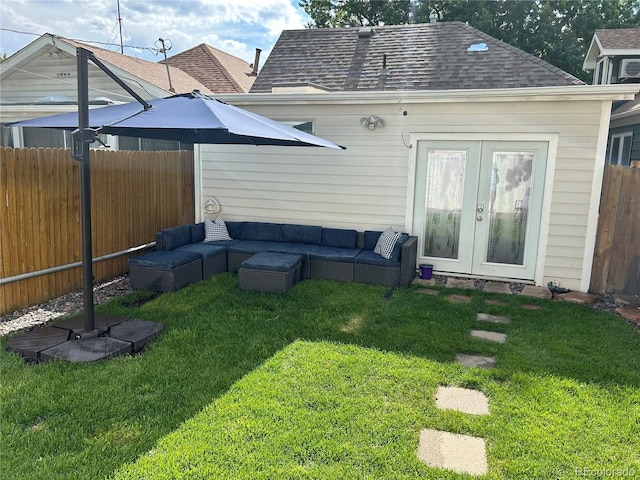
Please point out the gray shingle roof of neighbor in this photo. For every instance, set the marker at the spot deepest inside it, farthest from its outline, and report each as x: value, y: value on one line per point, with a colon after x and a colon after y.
x: 418, y: 57
x: 619, y: 38
x: 219, y: 71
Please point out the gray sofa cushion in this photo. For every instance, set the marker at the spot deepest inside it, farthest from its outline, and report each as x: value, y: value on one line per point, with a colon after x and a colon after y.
x: 175, y: 237
x: 197, y: 232
x: 334, y: 254
x: 164, y: 259
x: 271, y: 261
x: 370, y: 258
x: 301, y: 234
x: 204, y: 250
x: 250, y: 246
x: 266, y: 232
x: 303, y: 249
x: 339, y: 238
x: 235, y: 229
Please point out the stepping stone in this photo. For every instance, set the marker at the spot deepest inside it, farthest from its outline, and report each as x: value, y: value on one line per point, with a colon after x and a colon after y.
x: 420, y: 281
x: 462, y: 400
x: 578, y: 297
x: 428, y: 291
x: 480, y: 361
x: 485, y: 317
x: 490, y: 336
x: 532, y: 307
x: 537, y: 292
x: 497, y: 287
x: 630, y: 313
x: 460, y: 283
x: 498, y: 303
x: 459, y: 298
x: 452, y: 451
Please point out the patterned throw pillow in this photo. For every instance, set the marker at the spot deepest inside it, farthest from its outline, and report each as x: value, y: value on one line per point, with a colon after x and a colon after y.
x: 215, y: 230
x: 386, y: 242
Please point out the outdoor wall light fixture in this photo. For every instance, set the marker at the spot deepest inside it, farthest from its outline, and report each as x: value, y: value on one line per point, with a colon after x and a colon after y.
x: 372, y: 122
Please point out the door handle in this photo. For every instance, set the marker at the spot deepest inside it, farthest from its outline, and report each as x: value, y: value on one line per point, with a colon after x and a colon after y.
x: 480, y: 207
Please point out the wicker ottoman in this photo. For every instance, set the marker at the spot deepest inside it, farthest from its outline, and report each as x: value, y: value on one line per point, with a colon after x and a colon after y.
x: 165, y: 270
x: 270, y: 272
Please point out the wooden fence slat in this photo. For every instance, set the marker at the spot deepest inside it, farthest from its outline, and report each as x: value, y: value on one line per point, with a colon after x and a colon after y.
x: 616, y: 262
x: 134, y: 194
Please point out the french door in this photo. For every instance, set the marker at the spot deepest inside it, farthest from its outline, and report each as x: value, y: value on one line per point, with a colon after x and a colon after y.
x: 478, y: 205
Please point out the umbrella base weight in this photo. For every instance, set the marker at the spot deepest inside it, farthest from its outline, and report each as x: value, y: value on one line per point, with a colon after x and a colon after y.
x: 62, y: 341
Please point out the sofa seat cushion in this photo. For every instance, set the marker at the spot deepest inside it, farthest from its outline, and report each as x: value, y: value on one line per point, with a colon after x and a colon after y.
x: 175, y: 237
x: 272, y: 262
x: 250, y: 246
x: 303, y: 249
x: 333, y: 254
x: 164, y: 259
x: 221, y: 243
x: 204, y: 250
x: 370, y: 258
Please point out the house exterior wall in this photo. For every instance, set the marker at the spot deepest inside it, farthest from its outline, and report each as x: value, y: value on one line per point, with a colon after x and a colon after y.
x: 53, y: 72
x: 628, y: 125
x: 368, y: 186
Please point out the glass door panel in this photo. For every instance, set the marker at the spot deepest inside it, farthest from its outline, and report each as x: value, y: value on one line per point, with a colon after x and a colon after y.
x: 509, y: 206
x: 443, y: 202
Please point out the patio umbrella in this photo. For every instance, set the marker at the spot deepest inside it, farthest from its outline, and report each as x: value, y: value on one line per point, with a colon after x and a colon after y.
x: 190, y: 118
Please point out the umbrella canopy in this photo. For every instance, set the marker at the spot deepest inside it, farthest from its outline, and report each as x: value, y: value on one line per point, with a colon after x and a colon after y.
x: 188, y: 118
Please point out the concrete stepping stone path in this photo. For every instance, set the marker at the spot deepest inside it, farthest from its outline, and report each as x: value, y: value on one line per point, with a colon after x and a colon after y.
x: 460, y: 298
x: 462, y: 400
x: 497, y: 287
x: 452, y: 451
x: 480, y: 361
x: 485, y: 317
x: 490, y: 336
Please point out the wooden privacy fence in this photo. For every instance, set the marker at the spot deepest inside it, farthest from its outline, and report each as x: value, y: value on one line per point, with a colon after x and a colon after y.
x: 134, y: 195
x: 616, y: 260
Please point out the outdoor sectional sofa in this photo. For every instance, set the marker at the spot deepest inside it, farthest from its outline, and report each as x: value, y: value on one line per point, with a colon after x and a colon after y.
x: 324, y: 253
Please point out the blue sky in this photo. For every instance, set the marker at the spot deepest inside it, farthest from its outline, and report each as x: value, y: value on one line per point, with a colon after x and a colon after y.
x: 235, y: 26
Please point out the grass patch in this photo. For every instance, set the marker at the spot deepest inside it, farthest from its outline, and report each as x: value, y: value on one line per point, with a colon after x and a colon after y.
x: 330, y: 381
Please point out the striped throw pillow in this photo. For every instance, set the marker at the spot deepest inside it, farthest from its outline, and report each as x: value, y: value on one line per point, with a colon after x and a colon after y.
x: 215, y: 230
x: 386, y: 242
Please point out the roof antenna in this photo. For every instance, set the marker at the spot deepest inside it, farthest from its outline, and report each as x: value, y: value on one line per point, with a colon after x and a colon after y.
x: 120, y: 25
x: 164, y: 50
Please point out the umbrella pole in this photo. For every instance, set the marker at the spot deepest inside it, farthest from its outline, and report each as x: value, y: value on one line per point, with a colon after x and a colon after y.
x: 81, y: 152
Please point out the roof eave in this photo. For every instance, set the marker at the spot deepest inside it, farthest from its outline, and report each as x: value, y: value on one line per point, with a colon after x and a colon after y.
x: 570, y: 92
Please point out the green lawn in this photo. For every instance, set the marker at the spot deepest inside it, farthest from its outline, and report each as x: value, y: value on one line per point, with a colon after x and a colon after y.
x: 330, y: 381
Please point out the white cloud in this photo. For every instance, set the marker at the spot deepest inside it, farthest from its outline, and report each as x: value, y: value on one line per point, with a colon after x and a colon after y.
x: 237, y: 26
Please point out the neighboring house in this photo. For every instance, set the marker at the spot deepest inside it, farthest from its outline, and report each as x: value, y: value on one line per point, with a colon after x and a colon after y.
x: 492, y: 157
x: 614, y: 57
x: 40, y: 79
x: 219, y: 71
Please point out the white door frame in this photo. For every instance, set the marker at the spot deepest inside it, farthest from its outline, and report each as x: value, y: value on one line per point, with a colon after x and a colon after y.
x: 551, y: 138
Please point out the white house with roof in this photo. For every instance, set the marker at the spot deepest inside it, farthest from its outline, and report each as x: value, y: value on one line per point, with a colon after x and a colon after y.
x: 491, y: 157
x: 614, y: 57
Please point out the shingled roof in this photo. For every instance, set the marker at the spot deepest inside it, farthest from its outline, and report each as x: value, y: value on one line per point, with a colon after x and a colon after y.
x: 619, y: 38
x: 418, y: 57
x: 219, y: 71
x: 154, y: 73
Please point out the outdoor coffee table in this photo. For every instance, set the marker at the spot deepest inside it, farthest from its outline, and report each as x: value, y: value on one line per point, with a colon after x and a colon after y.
x: 270, y: 272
